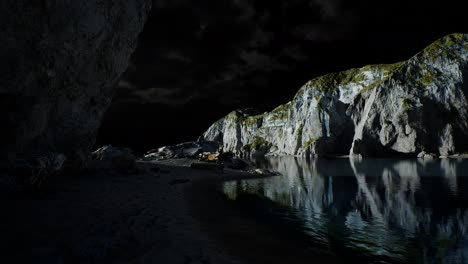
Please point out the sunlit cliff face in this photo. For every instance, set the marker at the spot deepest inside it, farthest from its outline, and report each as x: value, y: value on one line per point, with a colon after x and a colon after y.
x: 399, y: 208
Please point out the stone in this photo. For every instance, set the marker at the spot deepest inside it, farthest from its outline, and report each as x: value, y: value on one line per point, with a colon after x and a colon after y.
x: 396, y: 109
x: 119, y: 158
x: 424, y: 155
x: 208, y: 156
x: 60, y: 62
x: 31, y: 174
x: 52, y: 163
x: 190, y: 149
x: 226, y: 156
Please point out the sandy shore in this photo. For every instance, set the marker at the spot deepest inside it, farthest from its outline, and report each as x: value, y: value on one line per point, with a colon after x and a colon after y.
x: 172, y: 214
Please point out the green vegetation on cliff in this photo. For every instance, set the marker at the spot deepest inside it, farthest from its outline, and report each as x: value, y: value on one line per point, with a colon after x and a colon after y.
x: 256, y: 144
x: 281, y: 112
x: 373, y: 97
x: 311, y: 141
x: 330, y: 82
x: 444, y: 47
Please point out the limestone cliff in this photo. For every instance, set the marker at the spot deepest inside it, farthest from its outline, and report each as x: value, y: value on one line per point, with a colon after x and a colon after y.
x: 60, y: 61
x: 411, y: 107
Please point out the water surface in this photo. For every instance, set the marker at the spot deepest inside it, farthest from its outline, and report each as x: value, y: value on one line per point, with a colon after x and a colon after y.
x: 369, y: 210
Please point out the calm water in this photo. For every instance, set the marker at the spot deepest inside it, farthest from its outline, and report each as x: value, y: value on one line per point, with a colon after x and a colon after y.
x: 370, y: 210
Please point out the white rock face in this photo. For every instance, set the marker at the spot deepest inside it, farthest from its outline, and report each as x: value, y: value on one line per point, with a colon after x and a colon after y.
x: 419, y: 105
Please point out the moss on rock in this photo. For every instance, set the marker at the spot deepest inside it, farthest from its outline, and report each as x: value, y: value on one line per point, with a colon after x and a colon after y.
x: 428, y: 78
x: 300, y: 130
x: 330, y: 82
x: 257, y: 143
x: 311, y: 141
x: 445, y: 47
x: 281, y: 112
x: 407, y: 104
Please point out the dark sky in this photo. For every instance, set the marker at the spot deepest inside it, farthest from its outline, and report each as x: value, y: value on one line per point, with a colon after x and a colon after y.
x: 198, y: 60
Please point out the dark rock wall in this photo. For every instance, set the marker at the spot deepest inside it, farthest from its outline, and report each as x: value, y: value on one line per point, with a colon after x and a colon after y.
x: 59, y: 63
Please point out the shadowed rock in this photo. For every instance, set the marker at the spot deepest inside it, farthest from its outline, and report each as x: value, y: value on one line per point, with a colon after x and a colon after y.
x: 60, y: 61
x: 118, y: 158
x: 183, y: 150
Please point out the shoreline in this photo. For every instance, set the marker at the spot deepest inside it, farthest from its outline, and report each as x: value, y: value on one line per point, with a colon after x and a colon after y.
x: 358, y: 156
x: 104, y: 216
x: 240, y: 236
x: 165, y: 212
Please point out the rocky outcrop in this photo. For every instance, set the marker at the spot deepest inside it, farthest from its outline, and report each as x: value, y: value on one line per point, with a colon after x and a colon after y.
x: 190, y: 149
x: 407, y: 108
x: 115, y: 157
x: 60, y: 61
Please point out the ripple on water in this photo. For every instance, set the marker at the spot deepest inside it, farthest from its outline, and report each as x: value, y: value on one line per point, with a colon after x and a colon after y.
x: 372, y: 210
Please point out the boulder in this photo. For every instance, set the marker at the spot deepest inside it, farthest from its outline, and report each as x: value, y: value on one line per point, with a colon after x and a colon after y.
x: 184, y: 150
x: 208, y: 156
x: 118, y: 158
x: 424, y: 155
x: 31, y: 174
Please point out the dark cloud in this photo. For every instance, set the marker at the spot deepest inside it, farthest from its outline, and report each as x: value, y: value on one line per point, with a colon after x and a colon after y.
x: 168, y: 96
x: 211, y: 45
x: 320, y: 33
x: 329, y: 9
x: 160, y: 4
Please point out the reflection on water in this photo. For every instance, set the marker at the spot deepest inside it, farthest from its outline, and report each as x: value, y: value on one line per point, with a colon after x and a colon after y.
x: 384, y: 211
